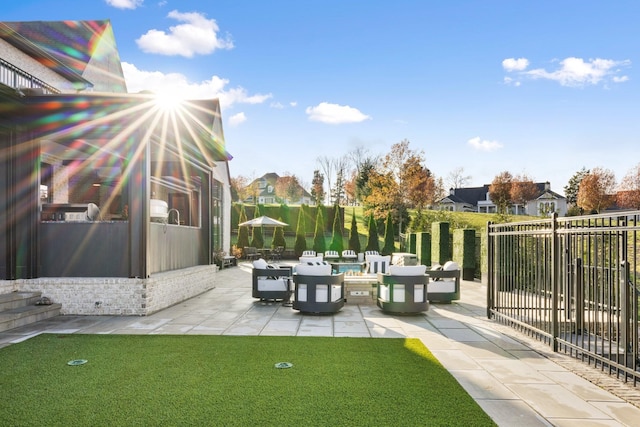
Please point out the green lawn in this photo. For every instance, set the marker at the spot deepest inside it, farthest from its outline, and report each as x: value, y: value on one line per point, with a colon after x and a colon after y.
x: 228, y: 381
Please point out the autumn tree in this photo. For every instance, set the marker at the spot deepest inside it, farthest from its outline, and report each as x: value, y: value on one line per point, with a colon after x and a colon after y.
x: 500, y: 192
x: 523, y: 190
x: 317, y: 188
x: 401, y: 181
x: 596, y: 191
x: 288, y: 188
x: 629, y: 194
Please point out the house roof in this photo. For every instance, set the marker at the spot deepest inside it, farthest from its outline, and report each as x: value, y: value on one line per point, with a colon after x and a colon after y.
x: 65, y: 47
x: 473, y: 195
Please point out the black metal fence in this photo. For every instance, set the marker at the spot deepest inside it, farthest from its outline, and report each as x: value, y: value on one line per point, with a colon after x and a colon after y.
x: 572, y: 282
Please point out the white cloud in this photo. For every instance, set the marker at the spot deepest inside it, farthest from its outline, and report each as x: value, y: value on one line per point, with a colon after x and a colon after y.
x: 335, y: 114
x: 125, y: 4
x: 571, y: 72
x: 216, y: 87
x: 484, y: 145
x: 293, y: 103
x: 196, y: 36
x: 237, y: 119
x: 512, y: 64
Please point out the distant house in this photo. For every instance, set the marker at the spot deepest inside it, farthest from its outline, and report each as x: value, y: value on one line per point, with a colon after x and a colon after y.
x: 476, y: 199
x: 104, y: 206
x: 266, y: 192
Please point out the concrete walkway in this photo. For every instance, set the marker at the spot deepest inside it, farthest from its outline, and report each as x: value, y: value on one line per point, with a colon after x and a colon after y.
x: 510, y: 377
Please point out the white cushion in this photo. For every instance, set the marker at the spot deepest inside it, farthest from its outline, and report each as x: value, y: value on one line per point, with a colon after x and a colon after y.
x: 441, y: 286
x: 408, y: 270
x: 318, y: 268
x: 260, y: 264
x: 279, y: 284
x: 310, y: 258
x: 378, y: 263
x: 450, y: 265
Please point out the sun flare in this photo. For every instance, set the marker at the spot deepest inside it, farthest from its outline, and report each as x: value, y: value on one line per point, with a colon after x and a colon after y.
x: 169, y: 98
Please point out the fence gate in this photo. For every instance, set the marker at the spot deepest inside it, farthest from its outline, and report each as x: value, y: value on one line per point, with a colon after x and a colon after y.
x: 572, y: 282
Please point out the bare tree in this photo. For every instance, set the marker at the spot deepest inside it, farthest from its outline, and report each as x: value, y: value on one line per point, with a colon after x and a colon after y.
x: 629, y: 194
x: 457, y: 178
x: 327, y: 165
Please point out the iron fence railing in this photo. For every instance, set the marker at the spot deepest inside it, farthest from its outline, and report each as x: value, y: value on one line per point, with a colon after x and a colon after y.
x: 572, y: 282
x: 14, y: 77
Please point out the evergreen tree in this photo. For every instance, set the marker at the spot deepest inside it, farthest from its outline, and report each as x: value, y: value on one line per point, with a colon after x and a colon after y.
x: 257, y: 237
x: 243, y: 232
x: 301, y: 240
x: 389, y: 241
x: 372, y: 242
x: 319, y: 243
x: 336, y: 239
x: 354, y: 237
x: 278, y: 238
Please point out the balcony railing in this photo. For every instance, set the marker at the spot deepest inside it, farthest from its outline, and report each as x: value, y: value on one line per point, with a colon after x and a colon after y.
x: 14, y: 77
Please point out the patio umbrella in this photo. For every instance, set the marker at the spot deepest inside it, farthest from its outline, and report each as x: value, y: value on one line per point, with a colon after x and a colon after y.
x: 263, y: 221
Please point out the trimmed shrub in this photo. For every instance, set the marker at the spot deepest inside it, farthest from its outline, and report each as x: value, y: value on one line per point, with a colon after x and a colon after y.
x: 440, y: 242
x: 423, y: 248
x: 389, y: 241
x: 319, y: 243
x: 372, y: 242
x: 337, y: 243
x: 354, y: 237
x: 301, y: 241
x: 464, y: 251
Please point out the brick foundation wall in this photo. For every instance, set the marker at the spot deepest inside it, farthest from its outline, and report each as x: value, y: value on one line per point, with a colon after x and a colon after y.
x: 121, y: 296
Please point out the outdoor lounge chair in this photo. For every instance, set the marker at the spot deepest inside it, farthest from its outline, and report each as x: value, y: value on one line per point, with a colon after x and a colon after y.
x: 270, y: 282
x: 308, y: 253
x: 349, y: 255
x: 316, y: 289
x: 403, y: 289
x: 371, y: 253
x: 331, y: 255
x: 445, y: 283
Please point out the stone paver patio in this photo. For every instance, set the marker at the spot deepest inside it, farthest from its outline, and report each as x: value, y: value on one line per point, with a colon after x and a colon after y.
x: 516, y: 381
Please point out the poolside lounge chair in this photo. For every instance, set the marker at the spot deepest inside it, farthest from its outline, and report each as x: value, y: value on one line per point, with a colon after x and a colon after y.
x: 316, y: 289
x: 270, y: 282
x: 331, y: 255
x: 308, y: 253
x: 403, y: 289
x: 371, y: 253
x: 349, y: 255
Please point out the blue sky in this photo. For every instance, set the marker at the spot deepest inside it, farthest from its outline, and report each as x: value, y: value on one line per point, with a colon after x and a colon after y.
x: 537, y: 87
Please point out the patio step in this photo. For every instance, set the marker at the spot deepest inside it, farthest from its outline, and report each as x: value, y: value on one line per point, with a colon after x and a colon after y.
x: 19, y: 309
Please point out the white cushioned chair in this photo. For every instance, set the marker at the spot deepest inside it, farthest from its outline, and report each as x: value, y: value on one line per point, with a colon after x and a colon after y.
x: 270, y: 282
x: 377, y: 264
x: 445, y: 282
x: 316, y: 289
x: 403, y: 289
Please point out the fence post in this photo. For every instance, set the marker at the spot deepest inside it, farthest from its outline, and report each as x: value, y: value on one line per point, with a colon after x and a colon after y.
x: 490, y: 278
x: 579, y: 292
x: 555, y: 298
